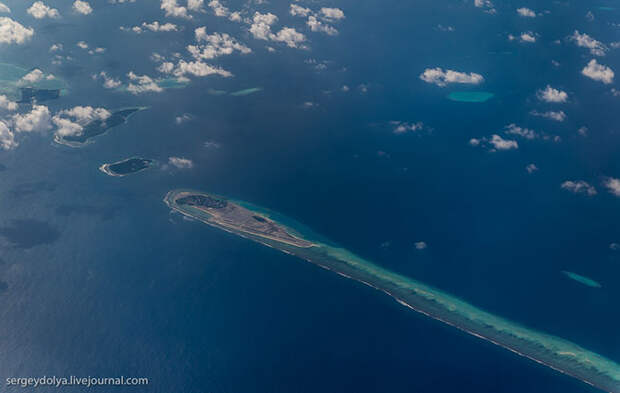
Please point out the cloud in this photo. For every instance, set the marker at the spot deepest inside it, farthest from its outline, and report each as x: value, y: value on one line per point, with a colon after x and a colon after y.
x: 55, y: 47
x: 220, y: 10
x: 4, y: 8
x: 37, y: 120
x: 183, y: 118
x: 82, y: 45
x: 142, y: 84
x: 82, y: 7
x: 195, y: 5
x: 495, y: 143
x: 318, y: 26
x: 332, y: 13
x: 613, y: 185
x: 585, y: 41
x: 297, y: 10
x: 108, y: 82
x: 181, y: 162
x: 153, y: 26
x: 72, y: 121
x: 261, y: 29
x: 12, y: 32
x: 485, y: 4
x: 549, y: 94
x: 531, y: 168
x: 7, y: 137
x: 551, y: 115
x: 513, y: 129
x: 500, y: 143
x: 579, y: 187
x: 172, y: 8
x: 598, y: 72
x: 193, y: 68
x: 33, y: 76
x: 441, y: 78
x: 216, y: 45
x: 7, y: 104
x: 401, y: 127
x: 420, y: 245
x: 526, y: 12
x: 526, y: 37
x: 40, y: 10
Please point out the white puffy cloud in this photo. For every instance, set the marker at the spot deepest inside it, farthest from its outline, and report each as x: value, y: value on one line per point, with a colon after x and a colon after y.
x: 487, y: 5
x: 494, y: 143
x: 291, y: 37
x: 216, y: 45
x: 261, y: 25
x: 597, y: 48
x: 82, y: 7
x: 72, y: 121
x: 142, y: 84
x: 579, y: 187
x: 441, y: 78
x: 7, y: 104
x: 526, y: 12
x: 172, y: 8
x: 598, y: 72
x: 531, y: 168
x: 500, y: 143
x: 261, y: 29
x: 318, y: 26
x: 108, y: 82
x: 12, y: 32
x: 82, y: 45
x: 4, y: 8
x: 297, y: 10
x: 37, y: 120
x: 33, y: 76
x: 332, y: 13
x: 180, y: 162
x: 549, y: 94
x: 56, y: 47
x: 401, y: 127
x: 40, y: 10
x: 197, y: 68
x: 154, y: 26
x: 551, y: 115
x: 527, y: 37
x: 420, y: 245
x: 220, y: 10
x: 7, y: 137
x: 613, y: 185
x: 195, y: 5
x: 513, y: 129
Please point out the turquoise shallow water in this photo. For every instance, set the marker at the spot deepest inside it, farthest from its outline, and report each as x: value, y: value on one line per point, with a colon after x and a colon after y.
x: 470, y: 96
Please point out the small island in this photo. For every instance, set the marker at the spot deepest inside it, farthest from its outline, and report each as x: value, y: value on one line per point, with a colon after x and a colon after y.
x: 232, y: 217
x: 126, y: 167
x: 97, y: 127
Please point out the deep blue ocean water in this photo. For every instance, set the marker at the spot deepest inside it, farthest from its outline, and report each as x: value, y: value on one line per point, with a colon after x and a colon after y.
x: 107, y: 282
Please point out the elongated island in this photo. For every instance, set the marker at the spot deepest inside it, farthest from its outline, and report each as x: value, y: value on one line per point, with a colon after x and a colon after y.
x: 97, y: 127
x: 273, y: 230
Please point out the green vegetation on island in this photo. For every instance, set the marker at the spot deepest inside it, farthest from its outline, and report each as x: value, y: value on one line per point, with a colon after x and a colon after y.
x: 255, y: 223
x: 126, y: 167
x: 97, y: 127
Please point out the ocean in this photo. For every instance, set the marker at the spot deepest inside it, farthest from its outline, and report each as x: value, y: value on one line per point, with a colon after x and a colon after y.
x: 102, y: 280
